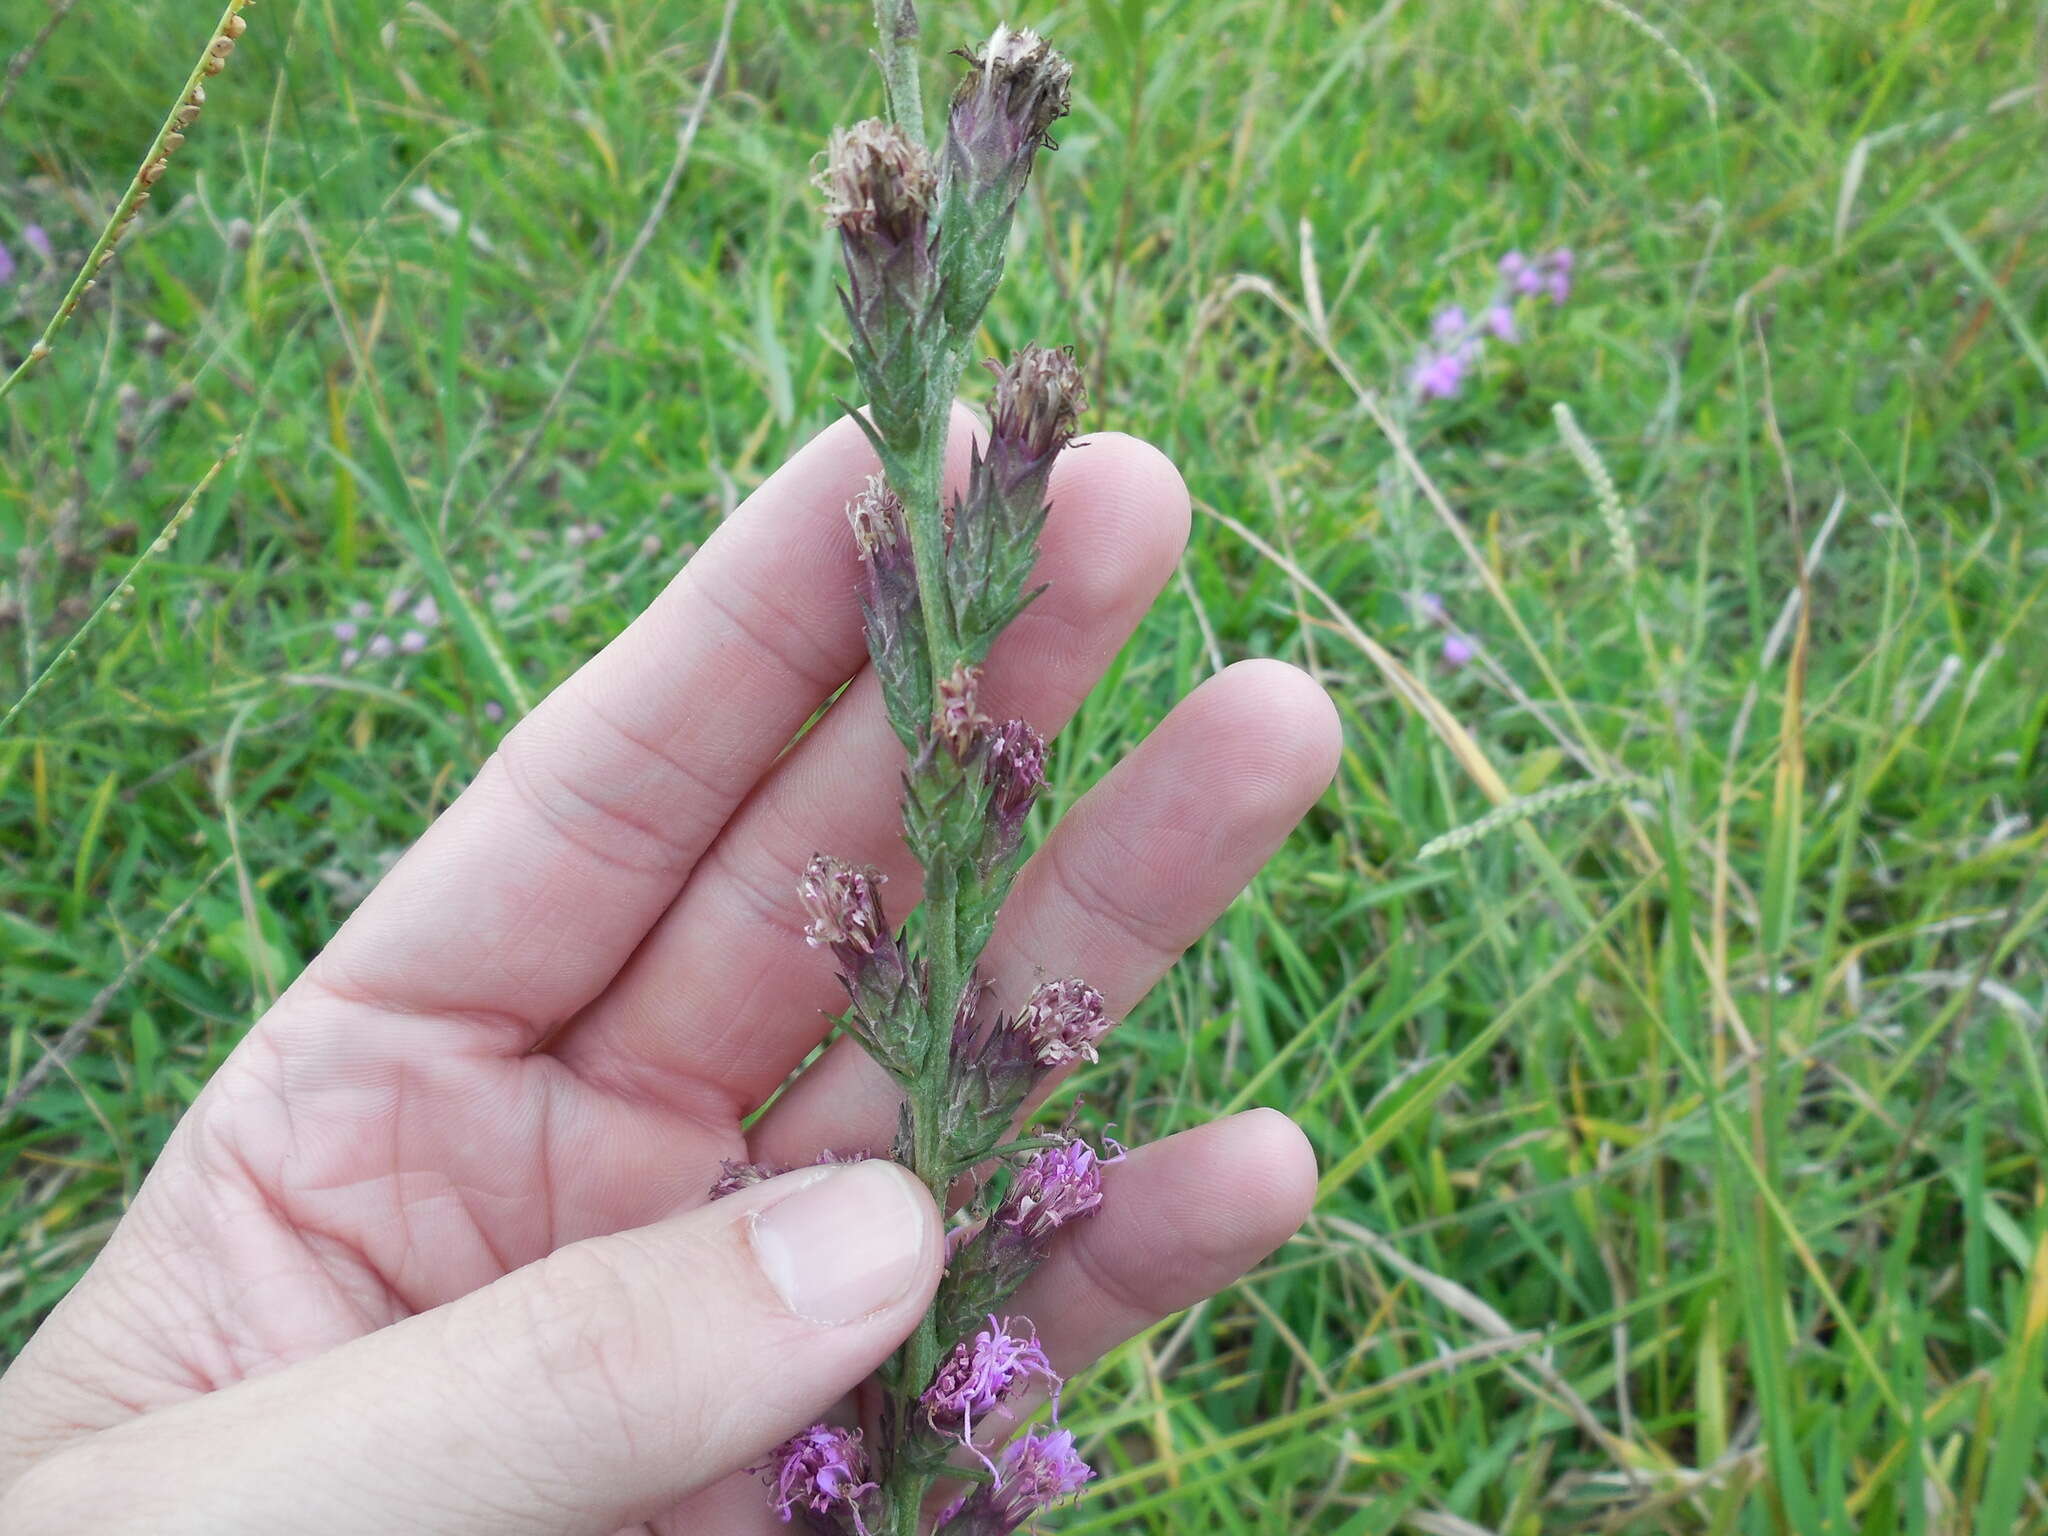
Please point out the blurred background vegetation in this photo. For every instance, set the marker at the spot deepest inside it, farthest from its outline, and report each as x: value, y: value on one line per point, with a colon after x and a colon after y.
x: 1682, y: 1133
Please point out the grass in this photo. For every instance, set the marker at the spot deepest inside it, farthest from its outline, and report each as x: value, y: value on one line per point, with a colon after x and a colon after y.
x: 1682, y: 1136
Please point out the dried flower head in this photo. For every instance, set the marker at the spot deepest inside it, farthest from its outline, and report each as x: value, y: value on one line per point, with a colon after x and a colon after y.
x: 734, y: 1176
x: 844, y: 903
x: 958, y: 721
x: 878, y: 183
x: 1064, y: 1021
x: 1039, y: 400
x: 1017, y: 88
x: 822, y: 1471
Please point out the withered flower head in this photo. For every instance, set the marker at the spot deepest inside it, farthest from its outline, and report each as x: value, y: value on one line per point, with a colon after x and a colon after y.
x: 959, y: 722
x: 1039, y: 399
x: 844, y: 904
x: 878, y: 181
x: 877, y: 518
x: 1019, y: 87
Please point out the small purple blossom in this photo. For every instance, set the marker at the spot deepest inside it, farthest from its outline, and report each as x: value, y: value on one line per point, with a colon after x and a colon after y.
x: 1557, y: 274
x: 7, y: 268
x: 1439, y: 375
x: 360, y: 609
x: 823, y: 1470
x: 493, y: 711
x: 1450, y: 324
x: 412, y: 642
x: 1058, y: 1184
x: 345, y: 630
x: 981, y: 1374
x: 1458, y: 651
x: 1064, y: 1021
x: 349, y: 657
x: 1038, y: 1470
x: 37, y: 239
x: 1500, y: 320
x: 1520, y: 274
x: 426, y: 612
x: 1015, y: 771
x: 381, y: 646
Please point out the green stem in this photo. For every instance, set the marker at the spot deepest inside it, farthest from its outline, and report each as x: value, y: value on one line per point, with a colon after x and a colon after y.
x: 103, y: 248
x: 896, y: 28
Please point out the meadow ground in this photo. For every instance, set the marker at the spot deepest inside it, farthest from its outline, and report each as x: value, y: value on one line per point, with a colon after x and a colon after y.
x: 1682, y: 1128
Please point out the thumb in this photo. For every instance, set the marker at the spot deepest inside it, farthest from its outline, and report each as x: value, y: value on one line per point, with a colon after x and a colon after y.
x: 586, y: 1391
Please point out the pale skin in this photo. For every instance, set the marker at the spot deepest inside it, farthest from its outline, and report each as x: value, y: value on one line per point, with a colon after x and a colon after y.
x: 432, y: 1252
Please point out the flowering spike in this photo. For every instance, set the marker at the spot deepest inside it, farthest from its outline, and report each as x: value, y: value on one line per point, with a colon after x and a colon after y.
x: 1016, y: 88
x: 1038, y: 401
x: 891, y: 604
x: 879, y: 188
x: 822, y: 1471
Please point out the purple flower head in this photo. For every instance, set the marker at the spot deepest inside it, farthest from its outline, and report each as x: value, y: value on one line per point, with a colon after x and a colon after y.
x: 823, y: 1470
x: 1001, y: 112
x: 1521, y: 274
x: 426, y: 612
x: 1500, y: 320
x: 345, y: 630
x: 412, y: 642
x: 7, y: 268
x: 982, y: 1373
x: 359, y: 609
x: 37, y: 239
x: 349, y: 657
x: 845, y: 905
x: 1056, y: 1185
x: 1038, y: 403
x: 1458, y: 651
x: 1450, y: 324
x: 1064, y: 1021
x: 879, y: 185
x: 1015, y: 770
x: 381, y: 646
x: 1038, y: 1470
x: 493, y: 711
x: 1439, y: 375
x: 1557, y: 274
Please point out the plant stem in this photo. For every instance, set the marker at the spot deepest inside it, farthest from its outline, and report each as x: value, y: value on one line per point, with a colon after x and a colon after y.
x: 896, y: 28
x: 103, y: 248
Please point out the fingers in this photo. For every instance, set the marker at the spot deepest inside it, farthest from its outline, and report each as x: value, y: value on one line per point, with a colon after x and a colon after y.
x: 523, y: 899
x: 594, y: 1388
x: 1135, y: 873
x: 724, y: 991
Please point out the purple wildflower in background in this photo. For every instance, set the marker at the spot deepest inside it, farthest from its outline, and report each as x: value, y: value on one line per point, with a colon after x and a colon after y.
x: 426, y: 612
x: 1449, y: 325
x: 822, y: 1471
x: 493, y: 711
x: 1458, y: 651
x: 981, y: 1374
x: 7, y: 268
x: 381, y: 646
x: 1438, y: 375
x: 412, y: 642
x: 1500, y: 320
x: 345, y: 630
x: 38, y: 240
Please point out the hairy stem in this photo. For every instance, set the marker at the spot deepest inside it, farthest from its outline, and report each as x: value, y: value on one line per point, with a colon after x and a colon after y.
x: 896, y: 28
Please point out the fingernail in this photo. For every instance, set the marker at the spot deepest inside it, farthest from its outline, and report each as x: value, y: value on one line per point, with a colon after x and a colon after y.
x: 843, y: 1246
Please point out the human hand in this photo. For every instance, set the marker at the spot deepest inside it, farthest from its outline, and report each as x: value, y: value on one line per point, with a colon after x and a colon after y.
x: 432, y: 1251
